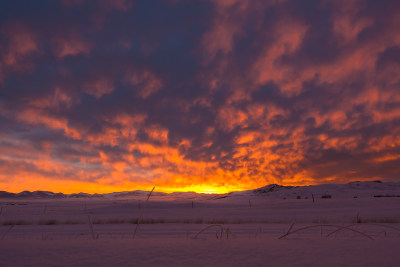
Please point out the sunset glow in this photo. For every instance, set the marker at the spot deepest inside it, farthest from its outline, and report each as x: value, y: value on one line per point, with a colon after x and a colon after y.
x: 207, y: 96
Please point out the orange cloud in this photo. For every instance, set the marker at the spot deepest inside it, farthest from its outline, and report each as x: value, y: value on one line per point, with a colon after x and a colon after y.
x: 37, y: 118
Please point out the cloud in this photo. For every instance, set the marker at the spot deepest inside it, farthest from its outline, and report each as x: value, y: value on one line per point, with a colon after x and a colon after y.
x: 200, y: 95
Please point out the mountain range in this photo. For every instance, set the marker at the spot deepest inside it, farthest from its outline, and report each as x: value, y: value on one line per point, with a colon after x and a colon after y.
x: 353, y: 189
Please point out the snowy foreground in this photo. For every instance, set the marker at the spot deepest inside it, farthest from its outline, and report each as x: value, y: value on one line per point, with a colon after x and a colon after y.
x: 357, y: 226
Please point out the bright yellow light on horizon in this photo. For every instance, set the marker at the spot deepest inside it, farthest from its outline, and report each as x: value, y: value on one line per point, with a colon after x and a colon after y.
x: 202, y: 189
x: 68, y: 187
x: 209, y: 191
x: 32, y: 183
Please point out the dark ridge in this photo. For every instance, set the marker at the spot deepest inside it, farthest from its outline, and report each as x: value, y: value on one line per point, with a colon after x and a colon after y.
x: 271, y: 188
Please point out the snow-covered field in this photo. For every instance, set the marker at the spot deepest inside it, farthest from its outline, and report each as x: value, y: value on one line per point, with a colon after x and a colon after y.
x: 351, y: 228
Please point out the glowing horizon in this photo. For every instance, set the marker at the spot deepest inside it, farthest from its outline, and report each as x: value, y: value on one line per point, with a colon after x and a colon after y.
x: 205, y: 96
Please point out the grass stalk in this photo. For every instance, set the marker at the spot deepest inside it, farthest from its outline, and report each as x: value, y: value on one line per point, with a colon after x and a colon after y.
x: 6, y: 232
x: 141, y: 213
x: 208, y: 227
x: 231, y: 233
x: 326, y: 225
x: 91, y: 227
x: 358, y: 224
x: 259, y: 230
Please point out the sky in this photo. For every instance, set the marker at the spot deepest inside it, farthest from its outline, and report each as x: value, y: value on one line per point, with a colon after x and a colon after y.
x: 201, y: 95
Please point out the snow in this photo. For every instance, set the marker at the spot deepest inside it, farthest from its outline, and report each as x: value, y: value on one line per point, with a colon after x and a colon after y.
x: 43, y: 231
x: 188, y: 252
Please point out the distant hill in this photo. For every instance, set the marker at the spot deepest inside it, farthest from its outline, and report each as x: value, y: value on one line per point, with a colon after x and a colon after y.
x: 353, y: 189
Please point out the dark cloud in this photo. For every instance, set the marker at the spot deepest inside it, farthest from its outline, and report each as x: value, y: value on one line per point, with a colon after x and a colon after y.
x: 391, y: 55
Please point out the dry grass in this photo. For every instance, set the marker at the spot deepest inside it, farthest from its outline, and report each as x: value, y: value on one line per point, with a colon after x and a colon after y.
x: 116, y: 220
x: 259, y: 230
x: 221, y: 228
x: 289, y: 232
x: 7, y: 231
x: 16, y: 222
x: 48, y: 222
x: 141, y: 214
x: 365, y: 224
x: 220, y: 231
x: 94, y: 236
x: 359, y: 219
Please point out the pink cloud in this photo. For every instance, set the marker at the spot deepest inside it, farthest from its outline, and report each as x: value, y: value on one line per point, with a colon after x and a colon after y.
x: 99, y: 87
x: 70, y: 45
